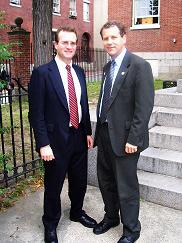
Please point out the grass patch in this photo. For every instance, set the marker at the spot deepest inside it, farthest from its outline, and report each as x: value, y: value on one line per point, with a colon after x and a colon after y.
x: 16, y: 126
x: 93, y: 89
x: 158, y: 84
x: 10, y: 195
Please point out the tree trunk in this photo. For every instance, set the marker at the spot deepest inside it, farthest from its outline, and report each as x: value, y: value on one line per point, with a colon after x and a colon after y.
x: 42, y: 31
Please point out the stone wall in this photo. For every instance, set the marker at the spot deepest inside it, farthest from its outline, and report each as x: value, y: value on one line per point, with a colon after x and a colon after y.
x: 92, y: 162
x: 165, y: 65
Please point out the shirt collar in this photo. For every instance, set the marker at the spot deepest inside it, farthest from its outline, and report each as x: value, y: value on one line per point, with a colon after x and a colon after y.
x: 60, y: 63
x: 120, y: 57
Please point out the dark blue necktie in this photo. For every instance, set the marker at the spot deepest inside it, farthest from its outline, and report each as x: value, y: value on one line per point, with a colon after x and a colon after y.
x: 107, y: 92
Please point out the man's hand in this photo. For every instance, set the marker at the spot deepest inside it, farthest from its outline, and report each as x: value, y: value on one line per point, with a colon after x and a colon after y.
x: 129, y: 148
x: 89, y: 142
x: 46, y: 153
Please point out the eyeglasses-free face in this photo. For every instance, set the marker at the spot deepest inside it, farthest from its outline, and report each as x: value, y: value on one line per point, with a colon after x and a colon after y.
x: 113, y: 42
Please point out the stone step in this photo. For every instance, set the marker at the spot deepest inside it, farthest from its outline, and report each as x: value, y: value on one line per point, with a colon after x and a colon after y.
x: 170, y: 117
x: 168, y: 98
x: 153, y: 117
x: 161, y: 161
x: 161, y: 189
x: 166, y: 137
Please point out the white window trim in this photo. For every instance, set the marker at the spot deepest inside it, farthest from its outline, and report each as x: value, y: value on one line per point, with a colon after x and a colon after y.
x: 57, y: 13
x: 74, y: 9
x: 87, y: 20
x: 15, y: 5
x: 145, y: 26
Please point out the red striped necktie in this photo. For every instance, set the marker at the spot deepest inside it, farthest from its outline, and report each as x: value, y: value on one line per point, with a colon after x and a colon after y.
x: 73, y: 106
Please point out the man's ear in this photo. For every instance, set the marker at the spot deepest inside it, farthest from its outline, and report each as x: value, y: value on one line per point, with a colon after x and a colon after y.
x: 55, y: 44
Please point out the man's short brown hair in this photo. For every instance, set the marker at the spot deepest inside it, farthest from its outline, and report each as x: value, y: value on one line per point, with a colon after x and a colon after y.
x: 66, y: 29
x: 110, y: 24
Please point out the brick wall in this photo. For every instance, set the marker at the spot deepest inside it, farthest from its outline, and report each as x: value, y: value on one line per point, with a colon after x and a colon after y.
x: 147, y: 40
x: 78, y: 23
x: 25, y: 11
x: 12, y: 12
x: 20, y: 67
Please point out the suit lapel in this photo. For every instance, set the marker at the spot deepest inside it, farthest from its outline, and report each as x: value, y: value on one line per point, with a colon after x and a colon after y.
x: 80, y: 78
x: 104, y: 75
x: 120, y: 77
x: 57, y: 83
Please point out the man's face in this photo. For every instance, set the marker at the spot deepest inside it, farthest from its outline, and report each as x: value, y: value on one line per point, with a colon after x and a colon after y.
x: 113, y: 43
x: 66, y: 46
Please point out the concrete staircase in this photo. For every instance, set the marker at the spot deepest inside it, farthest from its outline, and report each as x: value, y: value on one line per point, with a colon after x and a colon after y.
x: 160, y: 166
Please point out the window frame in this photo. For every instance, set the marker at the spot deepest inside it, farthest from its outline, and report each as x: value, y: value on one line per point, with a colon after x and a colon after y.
x: 72, y: 9
x: 87, y: 14
x: 16, y: 3
x: 58, y: 7
x: 144, y: 17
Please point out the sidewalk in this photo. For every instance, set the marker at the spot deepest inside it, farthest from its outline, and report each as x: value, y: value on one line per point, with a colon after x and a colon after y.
x: 22, y: 223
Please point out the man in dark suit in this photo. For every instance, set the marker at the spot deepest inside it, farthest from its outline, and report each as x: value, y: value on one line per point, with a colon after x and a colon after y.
x: 123, y: 112
x: 60, y: 119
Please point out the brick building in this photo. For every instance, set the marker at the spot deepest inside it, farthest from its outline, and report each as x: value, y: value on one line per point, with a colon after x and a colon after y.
x: 77, y: 13
x: 154, y: 31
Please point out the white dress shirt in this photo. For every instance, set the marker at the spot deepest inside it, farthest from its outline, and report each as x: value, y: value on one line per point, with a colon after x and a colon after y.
x: 118, y: 61
x: 63, y: 72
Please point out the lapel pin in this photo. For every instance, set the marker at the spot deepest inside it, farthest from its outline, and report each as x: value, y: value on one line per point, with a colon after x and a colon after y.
x: 122, y: 73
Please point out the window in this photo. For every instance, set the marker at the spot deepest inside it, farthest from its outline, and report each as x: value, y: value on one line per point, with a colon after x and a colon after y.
x: 56, y: 6
x: 145, y: 13
x: 86, y: 10
x: 73, y: 13
x: 15, y: 2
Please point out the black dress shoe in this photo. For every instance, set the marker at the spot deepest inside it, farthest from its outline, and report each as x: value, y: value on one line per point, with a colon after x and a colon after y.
x: 85, y: 220
x: 128, y: 239
x: 50, y: 236
x: 104, y: 226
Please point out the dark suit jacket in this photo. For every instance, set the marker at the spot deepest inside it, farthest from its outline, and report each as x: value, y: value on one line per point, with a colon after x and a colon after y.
x: 48, y: 107
x: 130, y: 105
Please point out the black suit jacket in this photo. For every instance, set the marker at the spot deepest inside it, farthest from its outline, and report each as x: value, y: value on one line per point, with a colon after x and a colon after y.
x: 48, y: 107
x: 130, y: 104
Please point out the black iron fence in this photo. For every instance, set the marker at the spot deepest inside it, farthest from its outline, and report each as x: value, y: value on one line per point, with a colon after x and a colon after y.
x: 17, y: 154
x: 91, y: 60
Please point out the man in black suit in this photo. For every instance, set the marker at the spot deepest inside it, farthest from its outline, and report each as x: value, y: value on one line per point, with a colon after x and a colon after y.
x: 59, y: 115
x: 123, y: 112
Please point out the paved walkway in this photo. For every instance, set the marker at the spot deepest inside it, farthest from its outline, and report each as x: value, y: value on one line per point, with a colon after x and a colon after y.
x: 22, y: 223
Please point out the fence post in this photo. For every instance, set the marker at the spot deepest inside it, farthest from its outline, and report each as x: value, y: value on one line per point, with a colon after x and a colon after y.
x: 20, y: 67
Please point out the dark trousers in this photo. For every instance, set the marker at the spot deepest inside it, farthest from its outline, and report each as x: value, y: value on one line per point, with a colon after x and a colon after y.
x: 118, y: 183
x: 73, y: 161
